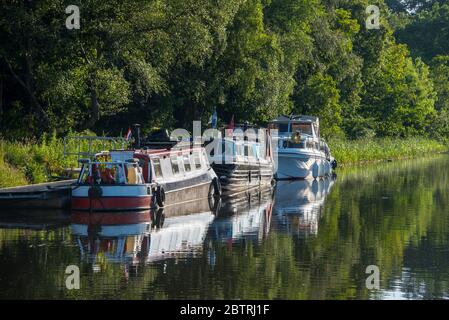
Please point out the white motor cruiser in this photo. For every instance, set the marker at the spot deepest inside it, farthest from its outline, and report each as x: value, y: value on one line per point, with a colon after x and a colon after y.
x: 300, y: 152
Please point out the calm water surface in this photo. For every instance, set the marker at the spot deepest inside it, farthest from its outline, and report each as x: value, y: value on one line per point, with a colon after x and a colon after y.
x: 303, y: 240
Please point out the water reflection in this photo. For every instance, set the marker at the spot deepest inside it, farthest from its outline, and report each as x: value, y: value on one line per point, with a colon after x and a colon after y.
x: 246, y: 216
x: 33, y: 219
x: 174, y: 232
x: 308, y: 240
x: 117, y: 237
x: 299, y: 203
x: 142, y: 237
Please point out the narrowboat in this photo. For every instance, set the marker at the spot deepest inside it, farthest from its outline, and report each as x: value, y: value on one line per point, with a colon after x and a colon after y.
x: 139, y: 179
x: 242, y: 159
x: 300, y: 152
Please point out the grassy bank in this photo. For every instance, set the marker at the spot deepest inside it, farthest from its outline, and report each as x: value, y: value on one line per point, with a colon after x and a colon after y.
x: 42, y: 160
x: 28, y: 162
x: 348, y: 152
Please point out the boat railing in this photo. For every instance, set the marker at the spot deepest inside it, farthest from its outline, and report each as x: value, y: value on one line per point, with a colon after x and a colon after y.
x: 300, y: 142
x: 88, y: 146
x: 303, y: 142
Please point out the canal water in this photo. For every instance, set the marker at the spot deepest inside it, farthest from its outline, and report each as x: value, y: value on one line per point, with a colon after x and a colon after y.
x: 303, y: 240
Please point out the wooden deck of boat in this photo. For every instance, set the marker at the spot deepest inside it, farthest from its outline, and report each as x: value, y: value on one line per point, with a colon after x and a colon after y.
x: 51, y: 195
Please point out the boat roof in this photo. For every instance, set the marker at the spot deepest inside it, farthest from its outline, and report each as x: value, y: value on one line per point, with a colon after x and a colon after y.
x: 153, y: 152
x: 298, y: 118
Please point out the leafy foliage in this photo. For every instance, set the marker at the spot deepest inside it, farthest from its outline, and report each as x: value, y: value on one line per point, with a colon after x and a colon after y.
x: 165, y: 63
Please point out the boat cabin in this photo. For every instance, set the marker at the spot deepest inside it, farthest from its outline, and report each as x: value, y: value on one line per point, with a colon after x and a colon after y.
x: 299, y: 132
x: 143, y: 166
x: 111, y: 172
x: 229, y: 150
x: 304, y: 125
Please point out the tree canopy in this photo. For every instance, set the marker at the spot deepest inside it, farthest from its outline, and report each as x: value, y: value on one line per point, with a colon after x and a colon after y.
x: 165, y: 63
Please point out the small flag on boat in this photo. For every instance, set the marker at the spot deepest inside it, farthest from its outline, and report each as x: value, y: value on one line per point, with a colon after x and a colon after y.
x: 128, y: 135
x: 213, y: 119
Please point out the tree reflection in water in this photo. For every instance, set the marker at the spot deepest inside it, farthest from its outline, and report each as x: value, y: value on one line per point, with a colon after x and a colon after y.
x: 307, y: 240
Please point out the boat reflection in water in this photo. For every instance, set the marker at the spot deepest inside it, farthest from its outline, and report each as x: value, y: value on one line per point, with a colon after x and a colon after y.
x: 144, y: 236
x: 173, y: 232
x: 246, y: 216
x: 298, y: 204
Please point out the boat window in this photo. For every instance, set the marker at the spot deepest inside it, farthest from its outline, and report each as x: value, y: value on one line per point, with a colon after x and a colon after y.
x: 257, y: 152
x: 250, y: 151
x: 197, y: 160
x: 281, y: 127
x: 239, y: 150
x: 174, y: 165
x: 187, y: 166
x: 103, y: 173
x: 134, y: 173
x: 246, y: 148
x: 157, y: 168
x: 305, y: 128
x: 310, y: 144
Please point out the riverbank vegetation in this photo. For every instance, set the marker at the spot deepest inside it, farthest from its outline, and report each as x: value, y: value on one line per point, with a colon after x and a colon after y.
x: 167, y: 63
x: 350, y: 152
x: 31, y: 161
x: 41, y: 160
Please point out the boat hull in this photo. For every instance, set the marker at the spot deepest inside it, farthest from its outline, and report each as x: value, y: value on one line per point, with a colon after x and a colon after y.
x: 112, y: 198
x: 111, y: 218
x: 236, y: 177
x: 302, y: 165
x: 188, y: 190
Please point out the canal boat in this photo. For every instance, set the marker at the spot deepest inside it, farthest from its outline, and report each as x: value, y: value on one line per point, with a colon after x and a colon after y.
x: 242, y: 159
x: 154, y: 175
x: 300, y: 151
x: 109, y: 183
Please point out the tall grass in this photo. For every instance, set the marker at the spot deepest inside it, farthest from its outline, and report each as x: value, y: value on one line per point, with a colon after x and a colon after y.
x: 10, y: 176
x: 349, y: 152
x: 37, y: 161
x: 31, y: 161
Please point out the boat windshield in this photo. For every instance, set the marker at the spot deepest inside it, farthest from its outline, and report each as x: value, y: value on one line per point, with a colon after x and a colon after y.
x: 111, y: 173
x: 304, y: 128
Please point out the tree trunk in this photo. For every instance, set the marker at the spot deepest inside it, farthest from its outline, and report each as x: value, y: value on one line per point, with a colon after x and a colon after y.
x: 95, y: 107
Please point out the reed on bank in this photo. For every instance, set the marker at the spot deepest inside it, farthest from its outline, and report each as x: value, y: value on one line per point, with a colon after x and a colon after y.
x: 37, y: 161
x: 30, y: 162
x: 349, y: 152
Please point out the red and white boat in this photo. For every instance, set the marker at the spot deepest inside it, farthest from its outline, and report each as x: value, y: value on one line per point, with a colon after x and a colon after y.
x: 145, y: 178
x: 112, y: 184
